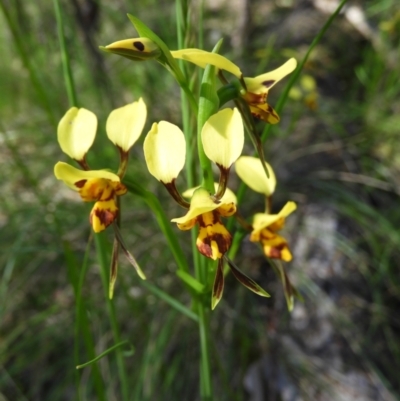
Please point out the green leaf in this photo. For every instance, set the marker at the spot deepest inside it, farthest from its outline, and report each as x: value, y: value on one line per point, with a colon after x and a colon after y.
x: 246, y: 281
x: 218, y: 287
x: 170, y: 300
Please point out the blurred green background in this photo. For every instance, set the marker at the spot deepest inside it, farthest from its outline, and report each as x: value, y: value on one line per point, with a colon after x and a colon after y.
x: 335, y: 152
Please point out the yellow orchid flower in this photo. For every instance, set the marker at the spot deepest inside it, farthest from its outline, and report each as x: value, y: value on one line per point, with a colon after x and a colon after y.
x: 222, y: 137
x: 76, y: 133
x: 251, y: 172
x: 99, y: 186
x: 214, y: 239
x: 264, y: 231
x: 256, y: 89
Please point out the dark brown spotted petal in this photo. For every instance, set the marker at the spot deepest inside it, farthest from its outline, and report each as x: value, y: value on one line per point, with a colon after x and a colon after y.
x: 246, y: 281
x: 218, y: 287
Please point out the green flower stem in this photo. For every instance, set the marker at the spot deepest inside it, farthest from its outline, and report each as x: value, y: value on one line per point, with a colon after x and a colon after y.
x: 205, y: 371
x: 101, y: 250
x: 205, y: 110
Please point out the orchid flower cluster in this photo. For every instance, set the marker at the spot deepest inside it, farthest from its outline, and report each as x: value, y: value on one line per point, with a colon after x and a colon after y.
x: 221, y: 137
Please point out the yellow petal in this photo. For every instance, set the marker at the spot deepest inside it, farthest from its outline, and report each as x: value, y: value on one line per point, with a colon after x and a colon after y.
x: 200, y: 203
x: 99, y: 189
x: 275, y: 246
x: 125, y: 124
x: 188, y: 225
x: 229, y: 195
x: 262, y: 83
x: 165, y: 151
x: 223, y: 137
x: 251, y: 172
x: 135, y: 48
x: 71, y: 175
x: 76, y: 132
x: 227, y: 209
x: 263, y: 220
x: 103, y: 214
x: 264, y: 112
x: 201, y: 58
x: 214, y: 240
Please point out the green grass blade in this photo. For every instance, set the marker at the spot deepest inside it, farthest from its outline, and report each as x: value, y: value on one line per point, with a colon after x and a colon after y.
x: 68, y: 77
x: 106, y: 352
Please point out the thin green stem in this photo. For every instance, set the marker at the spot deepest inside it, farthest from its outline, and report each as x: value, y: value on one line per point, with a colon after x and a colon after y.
x: 68, y: 77
x: 204, y: 329
x: 204, y: 111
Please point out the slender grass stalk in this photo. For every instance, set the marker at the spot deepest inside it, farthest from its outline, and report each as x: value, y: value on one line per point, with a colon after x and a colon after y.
x: 82, y: 327
x: 68, y: 77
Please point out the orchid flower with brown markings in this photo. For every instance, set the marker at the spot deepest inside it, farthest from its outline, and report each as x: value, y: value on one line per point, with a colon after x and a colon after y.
x: 165, y: 152
x: 253, y: 90
x: 76, y: 133
x: 265, y: 225
x: 222, y: 137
